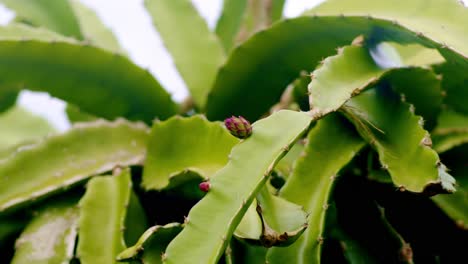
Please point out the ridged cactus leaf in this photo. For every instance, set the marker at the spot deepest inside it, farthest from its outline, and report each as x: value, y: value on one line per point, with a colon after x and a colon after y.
x: 283, y: 221
x: 230, y: 21
x: 397, y: 134
x: 271, y: 221
x: 92, y: 28
x: 151, y: 244
x: 103, y: 210
x: 180, y: 144
x: 454, y: 83
x: 55, y: 15
x: 455, y: 204
x: 134, y: 93
x: 249, y: 229
x: 84, y: 151
x: 422, y: 88
x: 451, y: 130
x: 19, y: 125
x: 216, y: 216
x: 331, y: 145
x: 340, y: 77
x: 50, y: 237
x: 240, y: 83
x: 441, y: 20
x: 190, y: 42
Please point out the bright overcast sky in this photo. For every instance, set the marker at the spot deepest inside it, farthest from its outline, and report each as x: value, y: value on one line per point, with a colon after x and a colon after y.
x: 132, y: 26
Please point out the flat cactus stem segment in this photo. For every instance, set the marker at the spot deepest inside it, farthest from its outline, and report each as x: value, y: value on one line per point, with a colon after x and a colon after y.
x: 331, y: 145
x: 441, y: 20
x: 180, y: 144
x: 240, y: 83
x: 454, y: 83
x: 51, y: 236
x: 32, y: 60
x: 404, y: 147
x: 103, y: 210
x: 57, y: 162
x: 190, y: 42
x: 57, y: 16
x: 151, y: 245
x: 216, y: 216
x: 340, y: 77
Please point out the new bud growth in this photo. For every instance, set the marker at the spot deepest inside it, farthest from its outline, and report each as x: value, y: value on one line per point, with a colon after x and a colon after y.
x: 204, y: 186
x: 238, y: 126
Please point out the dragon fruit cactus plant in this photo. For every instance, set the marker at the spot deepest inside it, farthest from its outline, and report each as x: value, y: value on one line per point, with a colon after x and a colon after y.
x: 345, y: 136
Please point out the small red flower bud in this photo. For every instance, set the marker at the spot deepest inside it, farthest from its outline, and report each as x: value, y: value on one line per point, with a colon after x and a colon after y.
x: 238, y: 126
x: 204, y: 186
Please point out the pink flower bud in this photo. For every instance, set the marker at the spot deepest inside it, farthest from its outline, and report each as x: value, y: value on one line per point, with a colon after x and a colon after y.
x: 204, y: 186
x: 238, y: 126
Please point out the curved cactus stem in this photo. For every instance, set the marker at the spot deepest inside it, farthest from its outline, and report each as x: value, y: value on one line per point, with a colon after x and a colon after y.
x: 19, y: 126
x: 151, y: 245
x: 109, y: 77
x: 92, y: 29
x: 340, y: 77
x: 447, y: 26
x: 271, y: 221
x: 404, y: 147
x: 103, y: 210
x: 331, y: 145
x: 239, y: 252
x: 85, y: 150
x: 51, y: 236
x: 240, y: 83
x: 190, y: 42
x: 215, y: 217
x: 55, y: 15
x: 249, y: 229
x: 180, y: 144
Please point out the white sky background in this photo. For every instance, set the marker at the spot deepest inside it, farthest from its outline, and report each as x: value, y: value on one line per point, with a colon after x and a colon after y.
x: 133, y: 27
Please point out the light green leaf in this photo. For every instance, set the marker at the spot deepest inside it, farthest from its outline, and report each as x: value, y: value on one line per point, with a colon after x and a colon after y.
x: 331, y: 145
x: 441, y: 20
x: 55, y: 15
x: 103, y: 210
x: 234, y: 187
x: 151, y: 244
x: 340, y: 77
x: 19, y: 125
x: 84, y: 151
x: 93, y: 29
x: 179, y: 144
x: 196, y: 50
x: 50, y: 237
x: 86, y: 76
x: 404, y: 147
